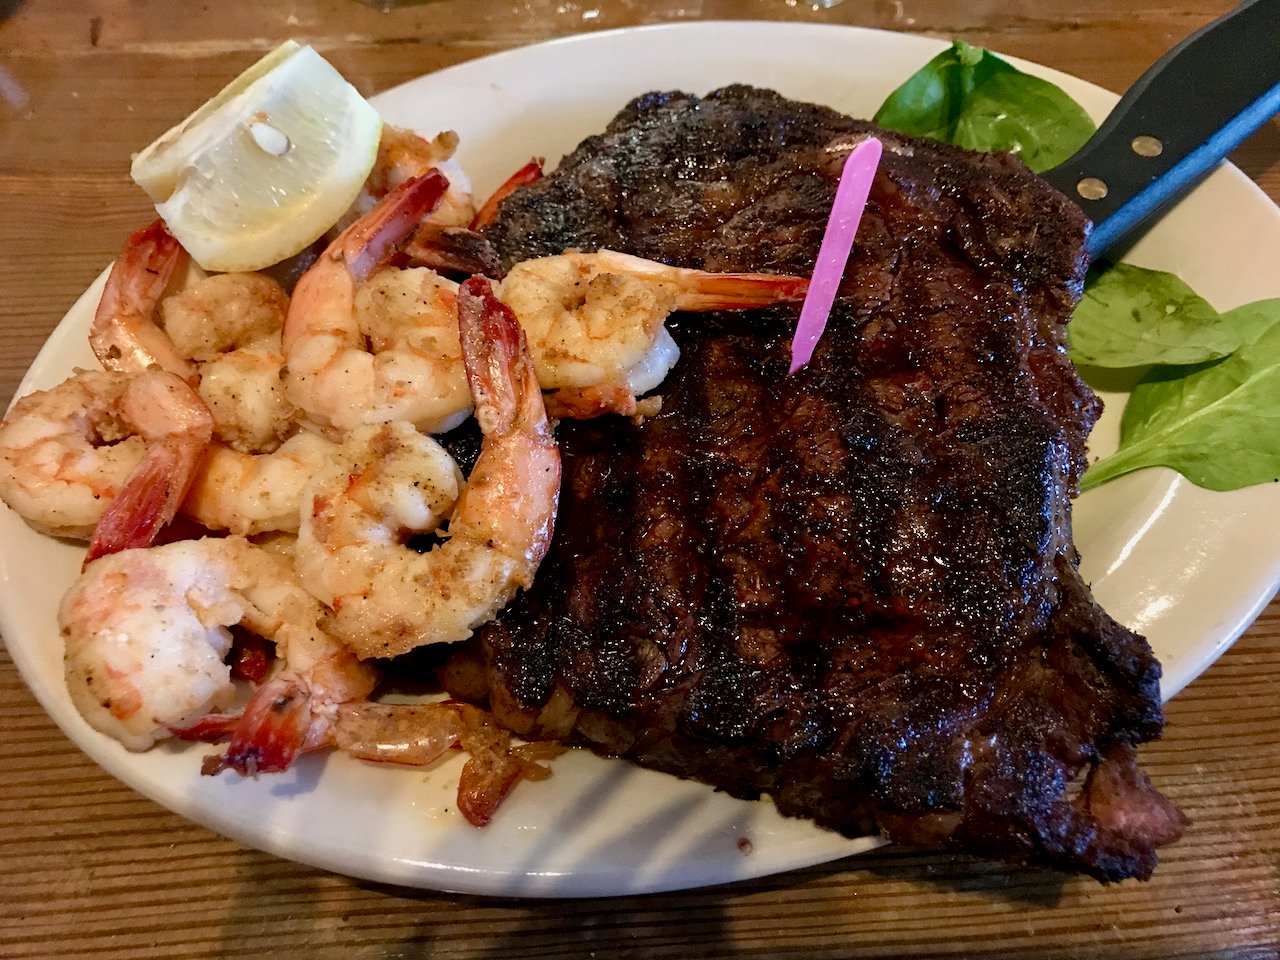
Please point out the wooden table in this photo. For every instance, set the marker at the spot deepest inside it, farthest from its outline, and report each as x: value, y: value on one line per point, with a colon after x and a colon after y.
x: 92, y: 869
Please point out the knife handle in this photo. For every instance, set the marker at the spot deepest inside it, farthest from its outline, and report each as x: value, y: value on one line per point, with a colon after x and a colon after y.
x: 1187, y: 112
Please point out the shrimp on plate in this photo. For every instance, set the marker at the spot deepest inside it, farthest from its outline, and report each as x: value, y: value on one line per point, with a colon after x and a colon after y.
x: 224, y: 333
x: 446, y: 238
x: 230, y: 324
x: 147, y: 631
x: 221, y: 334
x: 596, y: 322
x: 386, y: 484
x: 293, y: 712
x: 125, y: 335
x: 464, y: 249
x: 404, y: 155
x: 103, y: 456
x: 419, y: 734
x: 368, y: 347
x: 386, y: 597
x: 250, y: 494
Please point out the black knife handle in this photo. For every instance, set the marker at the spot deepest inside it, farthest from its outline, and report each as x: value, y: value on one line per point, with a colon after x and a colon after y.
x: 1188, y: 111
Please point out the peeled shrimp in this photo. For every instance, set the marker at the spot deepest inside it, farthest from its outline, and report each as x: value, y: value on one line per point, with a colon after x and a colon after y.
x: 595, y: 321
x: 230, y: 325
x: 385, y: 484
x: 256, y: 493
x: 221, y: 334
x: 365, y: 347
x: 146, y: 632
x: 222, y: 312
x: 388, y: 598
x: 125, y: 335
x: 404, y: 155
x: 103, y: 455
x: 224, y: 332
x: 244, y: 390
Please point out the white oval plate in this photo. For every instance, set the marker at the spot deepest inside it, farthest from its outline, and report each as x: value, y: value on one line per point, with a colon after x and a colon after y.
x: 1186, y: 567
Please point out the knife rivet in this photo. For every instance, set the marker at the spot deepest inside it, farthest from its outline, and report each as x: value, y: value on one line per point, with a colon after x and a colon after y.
x: 1091, y: 188
x: 1147, y: 146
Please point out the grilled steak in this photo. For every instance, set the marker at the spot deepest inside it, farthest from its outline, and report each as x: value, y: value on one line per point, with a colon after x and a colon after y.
x: 853, y: 589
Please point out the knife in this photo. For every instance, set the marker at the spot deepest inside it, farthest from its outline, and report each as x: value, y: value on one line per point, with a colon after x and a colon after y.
x: 1188, y: 111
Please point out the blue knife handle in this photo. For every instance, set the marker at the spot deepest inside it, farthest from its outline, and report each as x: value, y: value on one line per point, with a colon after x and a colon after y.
x: 1188, y: 111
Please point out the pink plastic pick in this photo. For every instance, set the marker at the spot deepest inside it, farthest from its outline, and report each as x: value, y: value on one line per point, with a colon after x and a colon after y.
x: 837, y: 243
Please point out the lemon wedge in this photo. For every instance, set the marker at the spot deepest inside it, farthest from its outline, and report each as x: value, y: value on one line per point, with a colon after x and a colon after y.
x: 267, y: 166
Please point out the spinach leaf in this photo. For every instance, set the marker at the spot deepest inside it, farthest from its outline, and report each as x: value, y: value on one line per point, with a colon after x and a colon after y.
x: 1217, y: 424
x: 1131, y: 317
x: 969, y: 97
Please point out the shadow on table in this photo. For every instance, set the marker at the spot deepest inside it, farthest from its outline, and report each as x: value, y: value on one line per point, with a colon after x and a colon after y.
x: 8, y: 8
x: 709, y: 921
x: 866, y: 902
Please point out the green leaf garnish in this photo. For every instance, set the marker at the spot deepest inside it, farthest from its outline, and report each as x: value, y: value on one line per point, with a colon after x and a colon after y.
x: 1132, y: 317
x: 969, y: 97
x: 1218, y: 425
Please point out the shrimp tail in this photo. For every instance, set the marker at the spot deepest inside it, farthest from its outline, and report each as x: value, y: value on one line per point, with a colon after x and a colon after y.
x: 271, y: 733
x: 499, y: 371
x: 212, y: 728
x: 698, y: 290
x: 369, y: 242
x: 178, y: 427
x: 492, y: 343
x: 531, y: 172
x: 148, y: 501
x: 292, y: 713
x: 123, y: 334
x: 741, y: 291
x: 452, y: 249
x: 511, y: 414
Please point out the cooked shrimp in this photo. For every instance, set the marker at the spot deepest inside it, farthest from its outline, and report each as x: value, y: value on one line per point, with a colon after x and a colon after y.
x: 256, y: 493
x: 365, y: 348
x: 222, y: 312
x: 385, y: 484
x: 595, y: 321
x: 177, y: 428
x: 124, y: 335
x: 419, y: 734
x: 452, y: 249
x: 293, y: 712
x: 103, y: 455
x: 387, y: 598
x: 222, y: 334
x: 244, y: 390
x: 146, y: 632
x: 404, y: 155
x: 230, y: 324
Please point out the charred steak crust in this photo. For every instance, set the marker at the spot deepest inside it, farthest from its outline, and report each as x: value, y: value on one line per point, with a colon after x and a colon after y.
x: 854, y: 589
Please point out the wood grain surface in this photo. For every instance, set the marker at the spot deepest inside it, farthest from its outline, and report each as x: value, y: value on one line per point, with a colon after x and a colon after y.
x: 88, y: 868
